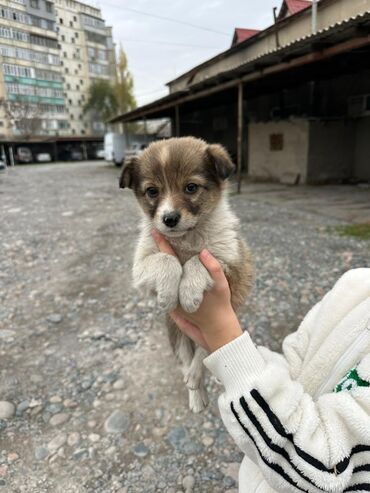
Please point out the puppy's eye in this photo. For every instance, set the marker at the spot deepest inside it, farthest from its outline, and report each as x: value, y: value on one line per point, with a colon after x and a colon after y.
x: 191, y: 188
x: 152, y: 192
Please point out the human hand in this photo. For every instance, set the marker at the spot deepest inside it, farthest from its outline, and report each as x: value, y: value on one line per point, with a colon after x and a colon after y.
x: 214, y: 324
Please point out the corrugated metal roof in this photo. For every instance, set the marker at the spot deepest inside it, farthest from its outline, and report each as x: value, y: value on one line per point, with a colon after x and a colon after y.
x: 307, y: 39
x: 331, y: 35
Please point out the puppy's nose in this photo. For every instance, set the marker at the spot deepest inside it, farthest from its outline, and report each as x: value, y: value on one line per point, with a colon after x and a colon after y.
x: 171, y: 219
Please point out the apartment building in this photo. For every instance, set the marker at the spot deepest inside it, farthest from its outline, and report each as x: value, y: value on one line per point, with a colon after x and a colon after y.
x: 49, y: 54
x: 87, y: 53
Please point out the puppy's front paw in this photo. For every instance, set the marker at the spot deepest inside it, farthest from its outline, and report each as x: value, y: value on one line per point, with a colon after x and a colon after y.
x: 168, y: 281
x: 194, y: 282
x: 167, y: 300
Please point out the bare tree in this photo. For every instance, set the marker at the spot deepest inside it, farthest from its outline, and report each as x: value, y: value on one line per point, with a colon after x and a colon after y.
x: 23, y: 116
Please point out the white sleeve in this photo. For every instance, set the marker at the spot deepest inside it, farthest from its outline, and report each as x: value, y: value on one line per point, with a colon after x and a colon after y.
x: 300, y: 443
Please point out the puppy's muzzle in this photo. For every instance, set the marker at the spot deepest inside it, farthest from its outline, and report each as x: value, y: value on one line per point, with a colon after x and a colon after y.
x: 171, y: 219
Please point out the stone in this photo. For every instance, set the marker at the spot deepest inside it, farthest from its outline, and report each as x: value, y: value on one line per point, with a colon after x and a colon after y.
x: 54, y: 408
x: 94, y: 437
x: 22, y: 407
x: 69, y: 403
x: 57, y: 442
x: 207, y: 441
x: 7, y: 410
x: 59, y: 419
x: 41, y: 453
x: 119, y: 384
x: 80, y: 454
x: 117, y: 422
x: 12, y: 457
x: 54, y: 318
x: 140, y: 450
x: 188, y: 483
x: 55, y: 399
x: 73, y: 439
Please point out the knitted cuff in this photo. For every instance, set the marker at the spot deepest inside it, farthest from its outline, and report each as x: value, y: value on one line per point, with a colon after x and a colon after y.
x: 237, y: 364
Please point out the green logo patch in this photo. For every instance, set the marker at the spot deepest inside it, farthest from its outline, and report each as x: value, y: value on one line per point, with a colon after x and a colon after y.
x: 350, y: 382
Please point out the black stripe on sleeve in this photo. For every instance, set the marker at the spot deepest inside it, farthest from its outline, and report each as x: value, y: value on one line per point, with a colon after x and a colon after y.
x: 365, y: 467
x: 275, y: 467
x: 273, y: 446
x: 274, y: 420
x: 359, y: 487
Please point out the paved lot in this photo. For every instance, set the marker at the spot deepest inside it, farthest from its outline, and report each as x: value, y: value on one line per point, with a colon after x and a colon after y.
x: 86, y: 362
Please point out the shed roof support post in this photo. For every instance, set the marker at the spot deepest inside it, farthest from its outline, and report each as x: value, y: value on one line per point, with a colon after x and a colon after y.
x: 177, y: 120
x: 240, y: 131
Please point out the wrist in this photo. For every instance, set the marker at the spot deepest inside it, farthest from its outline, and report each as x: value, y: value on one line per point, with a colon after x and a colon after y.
x: 228, y: 330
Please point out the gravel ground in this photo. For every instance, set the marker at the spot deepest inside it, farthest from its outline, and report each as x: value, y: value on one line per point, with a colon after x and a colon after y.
x: 89, y: 398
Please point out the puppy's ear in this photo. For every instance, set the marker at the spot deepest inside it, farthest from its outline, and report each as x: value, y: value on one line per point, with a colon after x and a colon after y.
x: 129, y: 171
x: 220, y: 161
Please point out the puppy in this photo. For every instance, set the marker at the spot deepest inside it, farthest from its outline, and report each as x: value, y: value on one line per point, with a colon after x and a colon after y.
x: 180, y: 185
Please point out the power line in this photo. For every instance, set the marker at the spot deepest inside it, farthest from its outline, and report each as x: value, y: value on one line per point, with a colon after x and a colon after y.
x: 170, y: 19
x: 170, y: 43
x: 151, y: 92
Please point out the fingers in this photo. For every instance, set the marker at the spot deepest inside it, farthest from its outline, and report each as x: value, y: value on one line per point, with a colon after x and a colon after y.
x: 189, y: 329
x: 162, y: 243
x: 214, y: 267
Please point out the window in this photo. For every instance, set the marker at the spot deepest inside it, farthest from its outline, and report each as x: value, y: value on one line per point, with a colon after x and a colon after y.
x: 75, y: 18
x: 71, y: 23
x: 65, y: 54
x: 60, y: 21
x: 34, y: 4
x: 77, y: 87
x: 68, y: 86
x: 49, y: 7
x: 76, y: 34
x: 73, y: 40
x: 66, y: 70
x: 63, y: 37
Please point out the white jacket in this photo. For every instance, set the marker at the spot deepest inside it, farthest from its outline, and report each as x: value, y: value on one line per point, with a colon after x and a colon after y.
x: 301, y: 418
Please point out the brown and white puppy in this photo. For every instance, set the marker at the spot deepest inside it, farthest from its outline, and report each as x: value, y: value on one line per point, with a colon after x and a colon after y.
x: 180, y: 185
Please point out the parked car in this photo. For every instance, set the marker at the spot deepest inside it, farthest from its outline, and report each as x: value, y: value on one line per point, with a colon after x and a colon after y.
x: 99, y: 152
x: 23, y: 155
x: 114, y: 148
x: 43, y: 157
x: 135, y: 150
x: 76, y: 155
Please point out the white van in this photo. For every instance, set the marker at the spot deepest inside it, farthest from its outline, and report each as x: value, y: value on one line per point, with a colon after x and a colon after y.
x: 114, y: 148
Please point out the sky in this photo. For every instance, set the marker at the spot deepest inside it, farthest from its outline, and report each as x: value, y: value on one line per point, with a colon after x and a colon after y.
x: 159, y: 50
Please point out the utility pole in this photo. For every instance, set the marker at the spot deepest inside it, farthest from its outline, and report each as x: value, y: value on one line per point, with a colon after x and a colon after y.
x: 314, y: 16
x: 274, y: 10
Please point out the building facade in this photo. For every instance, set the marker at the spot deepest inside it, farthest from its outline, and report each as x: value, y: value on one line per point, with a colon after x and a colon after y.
x: 291, y: 103
x: 87, y: 54
x: 49, y: 54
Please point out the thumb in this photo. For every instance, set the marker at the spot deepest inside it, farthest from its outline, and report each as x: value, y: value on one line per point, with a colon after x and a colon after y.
x: 213, y: 266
